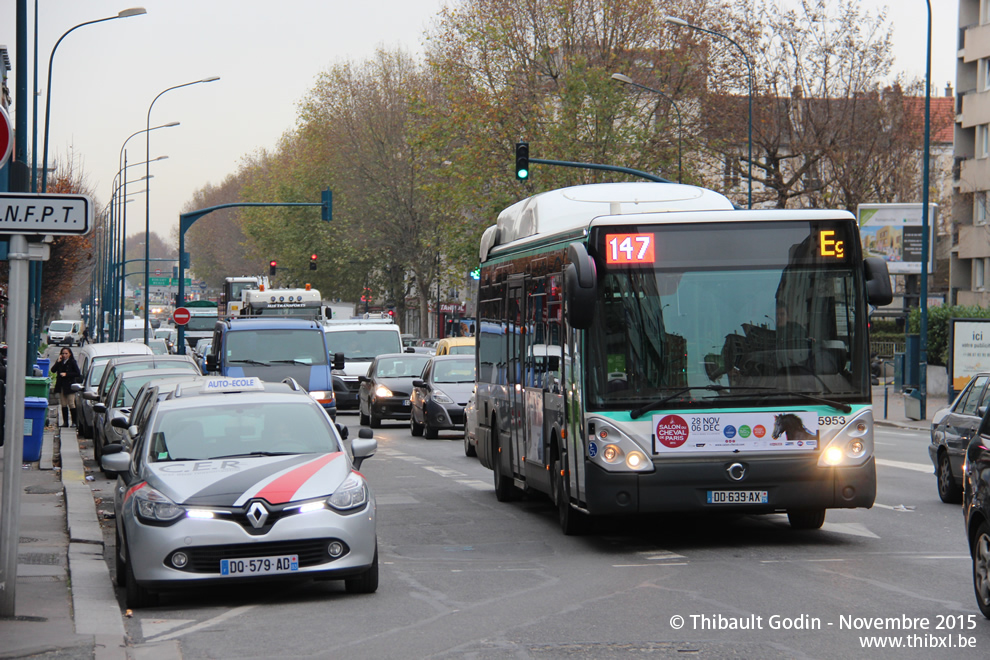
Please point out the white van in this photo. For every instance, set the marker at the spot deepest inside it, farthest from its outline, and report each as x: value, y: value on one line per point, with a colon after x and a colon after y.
x: 65, y: 333
x: 360, y: 341
x: 134, y: 329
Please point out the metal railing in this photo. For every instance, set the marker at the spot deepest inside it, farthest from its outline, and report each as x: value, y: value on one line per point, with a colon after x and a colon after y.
x: 886, y: 349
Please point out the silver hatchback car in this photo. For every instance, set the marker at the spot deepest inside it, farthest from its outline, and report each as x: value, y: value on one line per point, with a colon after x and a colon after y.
x: 233, y: 479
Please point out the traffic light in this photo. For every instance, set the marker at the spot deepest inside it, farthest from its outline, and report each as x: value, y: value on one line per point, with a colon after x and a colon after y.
x: 312, y: 262
x: 272, y: 265
x: 522, y: 160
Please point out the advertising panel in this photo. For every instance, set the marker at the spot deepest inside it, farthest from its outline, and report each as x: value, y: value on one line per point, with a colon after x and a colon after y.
x: 893, y: 232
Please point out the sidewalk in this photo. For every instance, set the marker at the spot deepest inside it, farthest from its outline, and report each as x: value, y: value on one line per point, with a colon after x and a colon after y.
x: 894, y: 408
x: 65, y: 605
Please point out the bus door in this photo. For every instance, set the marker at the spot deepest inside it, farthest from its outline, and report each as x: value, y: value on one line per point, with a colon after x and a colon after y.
x: 516, y: 338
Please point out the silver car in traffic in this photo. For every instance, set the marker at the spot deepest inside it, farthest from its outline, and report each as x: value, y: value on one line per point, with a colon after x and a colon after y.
x: 233, y: 479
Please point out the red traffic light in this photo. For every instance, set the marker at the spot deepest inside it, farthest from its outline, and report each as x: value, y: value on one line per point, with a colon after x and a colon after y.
x: 273, y: 263
x: 312, y: 257
x: 312, y: 262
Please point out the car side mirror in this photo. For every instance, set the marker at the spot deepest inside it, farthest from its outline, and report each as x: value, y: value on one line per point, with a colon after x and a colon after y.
x: 364, y: 446
x: 211, y: 363
x: 362, y: 379
x: 119, y: 422
x: 409, y: 349
x: 90, y: 395
x: 117, y: 460
x: 338, y: 361
x: 342, y: 430
x: 77, y: 387
x: 419, y: 383
x: 99, y: 408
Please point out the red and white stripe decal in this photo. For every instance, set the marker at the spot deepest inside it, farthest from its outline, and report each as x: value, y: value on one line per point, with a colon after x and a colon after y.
x: 283, y: 487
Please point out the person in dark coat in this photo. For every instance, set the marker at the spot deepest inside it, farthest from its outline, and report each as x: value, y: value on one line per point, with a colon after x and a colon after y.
x: 66, y: 373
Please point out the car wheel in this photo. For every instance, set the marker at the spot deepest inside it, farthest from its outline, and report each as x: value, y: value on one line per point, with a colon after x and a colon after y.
x: 981, y: 568
x: 136, y: 596
x: 97, y: 448
x: 505, y: 490
x: 806, y: 518
x: 469, y: 450
x: 949, y: 491
x: 414, y: 428
x: 366, y: 582
x: 429, y: 432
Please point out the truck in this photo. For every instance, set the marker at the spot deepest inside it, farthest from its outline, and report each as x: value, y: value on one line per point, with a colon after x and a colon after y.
x: 303, y: 303
x: 354, y: 343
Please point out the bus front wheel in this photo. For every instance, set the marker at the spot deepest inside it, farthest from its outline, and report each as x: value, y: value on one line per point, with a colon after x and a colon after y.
x: 806, y: 518
x: 505, y: 490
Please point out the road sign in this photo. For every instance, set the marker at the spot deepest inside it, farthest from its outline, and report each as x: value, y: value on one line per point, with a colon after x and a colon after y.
x: 6, y: 136
x: 158, y: 271
x: 63, y: 215
x: 181, y: 316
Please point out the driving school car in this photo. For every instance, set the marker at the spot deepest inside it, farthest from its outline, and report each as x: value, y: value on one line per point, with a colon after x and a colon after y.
x: 234, y: 479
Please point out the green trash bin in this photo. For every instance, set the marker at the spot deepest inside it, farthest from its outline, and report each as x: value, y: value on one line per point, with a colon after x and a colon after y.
x: 37, y: 386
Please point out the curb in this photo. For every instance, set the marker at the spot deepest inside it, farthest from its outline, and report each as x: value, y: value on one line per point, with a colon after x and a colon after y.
x: 94, y: 604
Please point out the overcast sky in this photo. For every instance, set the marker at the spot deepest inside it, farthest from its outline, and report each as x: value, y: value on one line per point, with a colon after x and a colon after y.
x: 267, y: 55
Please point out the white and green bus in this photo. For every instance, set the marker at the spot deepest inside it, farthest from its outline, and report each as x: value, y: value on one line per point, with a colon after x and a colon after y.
x: 647, y: 348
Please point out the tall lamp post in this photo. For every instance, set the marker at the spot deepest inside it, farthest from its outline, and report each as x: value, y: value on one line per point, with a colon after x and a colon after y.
x: 147, y: 201
x: 923, y: 302
x: 673, y: 20
x: 134, y: 11
x: 680, y: 127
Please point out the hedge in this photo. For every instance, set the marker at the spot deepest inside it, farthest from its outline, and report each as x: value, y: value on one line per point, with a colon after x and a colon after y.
x: 938, y: 327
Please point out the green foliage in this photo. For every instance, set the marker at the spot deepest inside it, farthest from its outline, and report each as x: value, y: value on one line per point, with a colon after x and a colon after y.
x: 938, y: 327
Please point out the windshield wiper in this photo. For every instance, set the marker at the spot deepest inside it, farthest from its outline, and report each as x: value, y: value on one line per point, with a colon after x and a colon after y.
x: 260, y: 364
x: 684, y: 390
x: 838, y: 405
x: 261, y: 453
x: 291, y: 362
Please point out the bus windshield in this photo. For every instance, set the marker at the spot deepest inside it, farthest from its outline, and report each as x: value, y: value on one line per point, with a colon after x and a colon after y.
x: 727, y: 316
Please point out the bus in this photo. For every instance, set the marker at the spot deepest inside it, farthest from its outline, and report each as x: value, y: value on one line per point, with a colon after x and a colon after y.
x: 633, y: 357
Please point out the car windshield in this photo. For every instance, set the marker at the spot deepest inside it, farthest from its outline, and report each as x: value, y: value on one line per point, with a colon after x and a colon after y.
x: 60, y: 326
x: 453, y: 371
x: 404, y: 367
x: 363, y: 344
x: 462, y: 350
x: 241, y: 429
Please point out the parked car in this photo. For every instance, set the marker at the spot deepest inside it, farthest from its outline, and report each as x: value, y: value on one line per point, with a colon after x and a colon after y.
x: 92, y: 360
x: 439, y: 398
x: 976, y: 512
x: 116, y: 410
x: 158, y: 345
x: 952, y: 429
x: 203, y: 494
x: 384, y: 392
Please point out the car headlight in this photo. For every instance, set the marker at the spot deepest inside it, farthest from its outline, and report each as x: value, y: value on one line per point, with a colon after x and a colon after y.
x: 351, y: 494
x: 154, y: 507
x: 440, y: 397
x: 382, y: 391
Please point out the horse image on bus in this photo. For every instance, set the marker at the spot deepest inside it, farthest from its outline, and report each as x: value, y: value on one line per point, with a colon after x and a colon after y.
x: 647, y: 348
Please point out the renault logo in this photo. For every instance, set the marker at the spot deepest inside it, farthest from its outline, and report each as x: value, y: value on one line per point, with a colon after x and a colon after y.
x: 257, y: 514
x: 736, y: 471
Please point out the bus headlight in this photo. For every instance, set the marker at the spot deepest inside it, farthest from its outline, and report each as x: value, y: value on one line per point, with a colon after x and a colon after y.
x: 615, y: 450
x: 851, y: 445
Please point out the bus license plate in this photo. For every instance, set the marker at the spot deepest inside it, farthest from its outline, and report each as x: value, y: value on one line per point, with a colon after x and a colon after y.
x: 259, y: 565
x: 737, y: 497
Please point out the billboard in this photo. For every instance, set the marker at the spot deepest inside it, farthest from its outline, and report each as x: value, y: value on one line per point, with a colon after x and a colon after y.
x: 893, y: 232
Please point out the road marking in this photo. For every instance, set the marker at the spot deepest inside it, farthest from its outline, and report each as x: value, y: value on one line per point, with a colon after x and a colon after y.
x: 917, y: 467
x: 444, y: 472
x: 477, y: 484
x: 659, y: 555
x: 853, y: 529
x: 682, y: 563
x: 410, y: 459
x: 229, y: 614
x: 154, y: 627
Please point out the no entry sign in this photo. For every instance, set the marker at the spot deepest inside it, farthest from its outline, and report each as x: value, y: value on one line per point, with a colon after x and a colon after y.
x: 181, y: 316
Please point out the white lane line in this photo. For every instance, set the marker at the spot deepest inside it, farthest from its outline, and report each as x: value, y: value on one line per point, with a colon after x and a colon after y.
x: 917, y: 467
x: 409, y: 459
x: 229, y: 614
x: 445, y: 472
x: 665, y: 564
x: 658, y: 555
x: 477, y: 484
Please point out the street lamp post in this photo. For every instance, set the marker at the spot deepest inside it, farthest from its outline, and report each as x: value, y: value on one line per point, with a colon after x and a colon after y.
x: 134, y: 11
x: 147, y: 201
x: 749, y: 66
x: 680, y: 127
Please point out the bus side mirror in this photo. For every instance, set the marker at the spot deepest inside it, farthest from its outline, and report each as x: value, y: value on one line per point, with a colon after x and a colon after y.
x: 580, y: 287
x: 878, y: 291
x: 553, y: 363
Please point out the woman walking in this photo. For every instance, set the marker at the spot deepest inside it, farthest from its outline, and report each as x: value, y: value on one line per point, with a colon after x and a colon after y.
x: 67, y: 373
